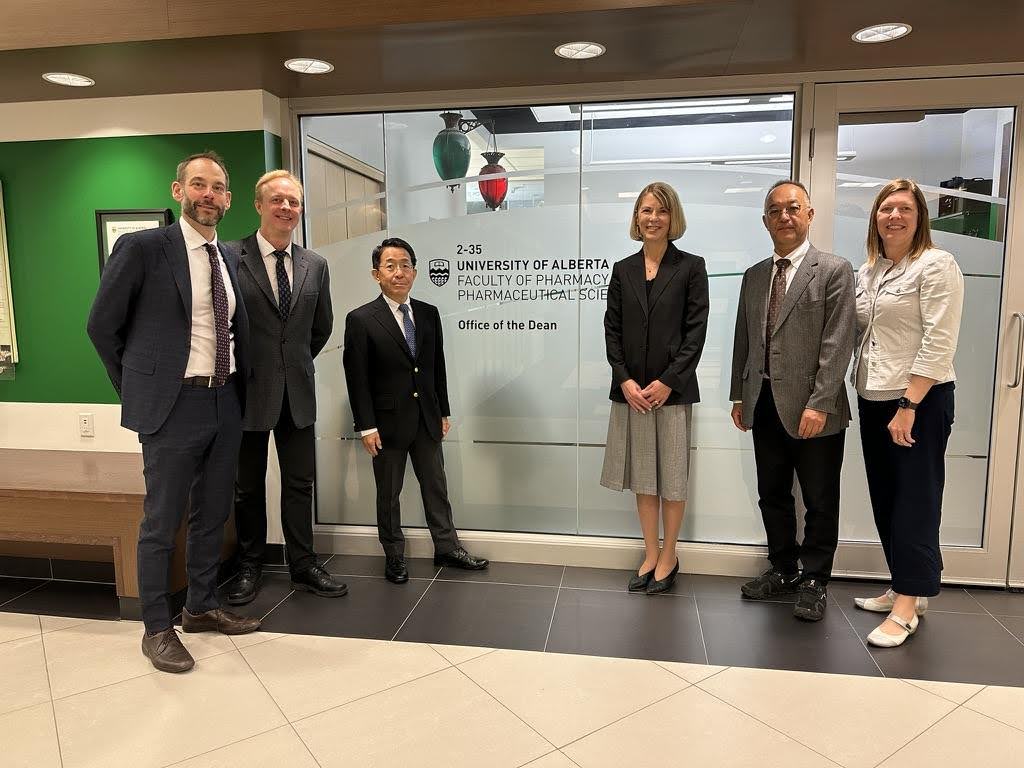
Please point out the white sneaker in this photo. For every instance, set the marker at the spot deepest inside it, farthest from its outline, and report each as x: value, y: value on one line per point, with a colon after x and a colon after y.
x: 880, y: 639
x: 885, y: 603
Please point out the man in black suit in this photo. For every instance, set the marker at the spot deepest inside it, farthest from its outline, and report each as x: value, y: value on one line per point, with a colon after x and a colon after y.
x: 398, y: 388
x: 287, y: 294
x: 169, y: 325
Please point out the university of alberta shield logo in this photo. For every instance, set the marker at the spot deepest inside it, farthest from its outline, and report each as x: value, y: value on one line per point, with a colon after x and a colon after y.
x: 439, y: 271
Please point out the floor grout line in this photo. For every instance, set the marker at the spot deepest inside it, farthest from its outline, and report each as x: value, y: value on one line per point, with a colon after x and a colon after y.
x: 415, y: 606
x: 996, y: 618
x: 700, y: 626
x: 768, y: 725
x: 554, y: 608
x: 861, y: 640
x: 629, y: 714
x: 276, y: 704
x: 49, y: 687
x: 27, y: 592
x: 509, y: 710
x: 223, y: 746
x: 918, y: 736
x: 264, y: 616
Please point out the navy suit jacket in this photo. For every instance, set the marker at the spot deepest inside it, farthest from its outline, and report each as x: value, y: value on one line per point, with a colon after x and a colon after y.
x: 141, y: 323
x: 388, y: 388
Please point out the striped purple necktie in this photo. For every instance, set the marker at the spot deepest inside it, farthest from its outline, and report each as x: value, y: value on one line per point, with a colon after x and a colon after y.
x: 220, y: 316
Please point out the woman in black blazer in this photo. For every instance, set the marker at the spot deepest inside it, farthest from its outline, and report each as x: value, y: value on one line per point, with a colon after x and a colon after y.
x: 655, y: 327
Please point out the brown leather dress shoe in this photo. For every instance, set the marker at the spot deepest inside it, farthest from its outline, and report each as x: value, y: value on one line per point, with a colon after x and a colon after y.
x: 218, y: 620
x: 166, y: 652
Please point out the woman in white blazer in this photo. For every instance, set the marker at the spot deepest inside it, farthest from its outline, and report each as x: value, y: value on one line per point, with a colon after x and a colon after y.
x: 909, y: 302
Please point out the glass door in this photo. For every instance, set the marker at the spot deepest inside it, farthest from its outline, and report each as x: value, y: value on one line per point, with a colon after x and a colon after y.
x: 958, y: 138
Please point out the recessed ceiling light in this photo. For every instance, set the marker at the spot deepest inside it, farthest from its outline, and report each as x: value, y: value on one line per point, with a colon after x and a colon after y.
x: 882, y: 33
x: 68, y: 78
x: 309, y: 66
x: 580, y: 50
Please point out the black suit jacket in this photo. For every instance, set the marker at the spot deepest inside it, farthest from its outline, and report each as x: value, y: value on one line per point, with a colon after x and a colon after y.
x: 661, y: 338
x: 387, y: 387
x: 141, y: 323
x: 282, y: 352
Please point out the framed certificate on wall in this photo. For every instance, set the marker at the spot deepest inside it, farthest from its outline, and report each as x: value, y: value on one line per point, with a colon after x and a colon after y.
x: 110, y: 225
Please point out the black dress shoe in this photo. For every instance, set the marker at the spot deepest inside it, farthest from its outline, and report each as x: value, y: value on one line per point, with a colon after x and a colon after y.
x: 655, y: 586
x: 638, y: 581
x: 460, y: 558
x: 395, y: 570
x: 319, y: 582
x: 811, y: 599
x: 166, y: 652
x: 247, y: 585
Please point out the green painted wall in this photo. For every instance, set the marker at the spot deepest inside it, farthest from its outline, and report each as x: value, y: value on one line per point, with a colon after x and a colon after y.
x: 52, y: 190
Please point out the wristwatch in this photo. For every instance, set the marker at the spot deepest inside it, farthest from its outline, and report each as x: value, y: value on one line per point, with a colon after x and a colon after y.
x: 905, y: 403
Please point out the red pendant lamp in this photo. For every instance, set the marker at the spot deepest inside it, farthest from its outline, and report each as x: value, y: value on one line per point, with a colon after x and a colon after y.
x: 493, y: 189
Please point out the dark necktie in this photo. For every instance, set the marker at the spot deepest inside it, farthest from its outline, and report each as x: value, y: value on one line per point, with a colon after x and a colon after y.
x: 409, y: 328
x: 222, y: 367
x: 284, y: 290
x: 774, y: 305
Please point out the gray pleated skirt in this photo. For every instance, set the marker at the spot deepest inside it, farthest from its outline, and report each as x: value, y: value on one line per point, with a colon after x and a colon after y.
x: 648, y: 453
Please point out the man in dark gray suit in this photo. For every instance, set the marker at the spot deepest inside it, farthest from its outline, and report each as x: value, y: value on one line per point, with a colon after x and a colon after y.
x: 169, y: 325
x: 287, y: 292
x: 795, y: 329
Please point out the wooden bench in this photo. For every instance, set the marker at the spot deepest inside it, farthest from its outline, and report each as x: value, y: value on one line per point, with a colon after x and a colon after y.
x: 59, y: 503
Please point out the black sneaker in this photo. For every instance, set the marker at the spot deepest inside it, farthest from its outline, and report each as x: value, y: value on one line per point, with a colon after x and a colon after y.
x: 769, y: 584
x: 810, y: 601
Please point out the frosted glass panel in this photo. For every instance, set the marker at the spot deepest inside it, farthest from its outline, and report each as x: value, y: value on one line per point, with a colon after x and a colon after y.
x: 522, y: 292
x: 961, y: 160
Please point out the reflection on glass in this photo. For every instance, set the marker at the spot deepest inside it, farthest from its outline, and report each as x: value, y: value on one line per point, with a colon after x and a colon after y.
x: 522, y: 293
x: 960, y: 158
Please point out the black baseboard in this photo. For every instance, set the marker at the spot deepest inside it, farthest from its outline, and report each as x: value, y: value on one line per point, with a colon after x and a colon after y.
x: 53, y: 568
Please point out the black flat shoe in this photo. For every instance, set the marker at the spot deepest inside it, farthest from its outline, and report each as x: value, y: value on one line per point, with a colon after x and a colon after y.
x: 247, y: 585
x: 460, y: 558
x: 663, y: 585
x: 319, y: 582
x: 638, y: 581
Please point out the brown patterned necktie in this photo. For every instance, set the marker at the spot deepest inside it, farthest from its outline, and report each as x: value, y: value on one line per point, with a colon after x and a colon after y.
x: 220, y: 316
x: 778, y: 294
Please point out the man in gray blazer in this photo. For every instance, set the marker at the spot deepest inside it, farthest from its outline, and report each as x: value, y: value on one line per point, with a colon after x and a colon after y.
x: 288, y: 295
x: 795, y: 329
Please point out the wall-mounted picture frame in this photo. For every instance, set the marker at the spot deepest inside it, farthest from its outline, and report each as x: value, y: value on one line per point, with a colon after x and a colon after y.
x: 111, y: 224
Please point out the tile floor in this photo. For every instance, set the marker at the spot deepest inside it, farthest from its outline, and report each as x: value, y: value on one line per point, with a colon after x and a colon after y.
x: 524, y: 665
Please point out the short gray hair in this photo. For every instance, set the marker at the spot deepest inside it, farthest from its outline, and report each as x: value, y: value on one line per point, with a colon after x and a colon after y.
x: 782, y: 183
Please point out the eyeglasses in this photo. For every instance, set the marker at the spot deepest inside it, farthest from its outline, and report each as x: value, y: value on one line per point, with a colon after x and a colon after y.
x: 775, y: 212
x: 391, y: 266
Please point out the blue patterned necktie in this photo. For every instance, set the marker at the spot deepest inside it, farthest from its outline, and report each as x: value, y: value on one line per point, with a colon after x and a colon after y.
x: 409, y: 328
x: 284, y: 290
x: 222, y: 364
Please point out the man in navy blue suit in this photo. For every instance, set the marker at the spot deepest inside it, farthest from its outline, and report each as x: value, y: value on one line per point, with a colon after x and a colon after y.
x: 169, y: 325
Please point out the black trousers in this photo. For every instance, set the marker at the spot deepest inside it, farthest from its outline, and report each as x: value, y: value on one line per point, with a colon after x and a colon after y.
x: 189, y: 464
x: 817, y: 462
x: 906, y: 484
x: 389, y: 474
x: 296, y: 456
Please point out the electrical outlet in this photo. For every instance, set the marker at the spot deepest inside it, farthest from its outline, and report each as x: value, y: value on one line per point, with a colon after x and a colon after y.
x: 86, y: 428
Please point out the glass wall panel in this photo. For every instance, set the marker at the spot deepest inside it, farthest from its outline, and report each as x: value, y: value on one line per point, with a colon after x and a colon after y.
x: 522, y: 293
x: 961, y: 159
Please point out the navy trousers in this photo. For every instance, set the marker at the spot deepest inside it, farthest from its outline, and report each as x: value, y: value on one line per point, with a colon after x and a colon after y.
x: 189, y: 464
x: 906, y: 484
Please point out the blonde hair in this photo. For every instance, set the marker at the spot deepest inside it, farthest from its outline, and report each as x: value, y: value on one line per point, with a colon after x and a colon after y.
x: 270, y: 176
x: 667, y: 196
x: 922, y: 237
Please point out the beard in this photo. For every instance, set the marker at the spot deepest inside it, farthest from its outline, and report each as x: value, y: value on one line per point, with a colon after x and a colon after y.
x: 206, y: 218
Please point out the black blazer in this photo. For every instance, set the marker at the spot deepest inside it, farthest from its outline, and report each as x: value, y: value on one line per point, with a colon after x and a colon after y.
x: 387, y: 388
x: 141, y: 323
x: 281, y: 353
x: 662, y: 338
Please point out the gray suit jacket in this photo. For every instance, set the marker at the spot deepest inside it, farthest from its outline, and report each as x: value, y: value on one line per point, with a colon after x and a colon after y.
x: 811, y: 346
x: 281, y: 353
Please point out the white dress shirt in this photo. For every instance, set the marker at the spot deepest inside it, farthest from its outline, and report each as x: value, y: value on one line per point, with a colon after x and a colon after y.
x: 202, y: 354
x: 796, y: 257
x: 270, y: 262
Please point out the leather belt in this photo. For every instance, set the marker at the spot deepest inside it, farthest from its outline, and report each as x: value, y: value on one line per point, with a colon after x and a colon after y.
x: 206, y: 381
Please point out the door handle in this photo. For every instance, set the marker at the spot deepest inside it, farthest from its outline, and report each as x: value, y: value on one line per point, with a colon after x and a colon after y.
x: 1019, y: 317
